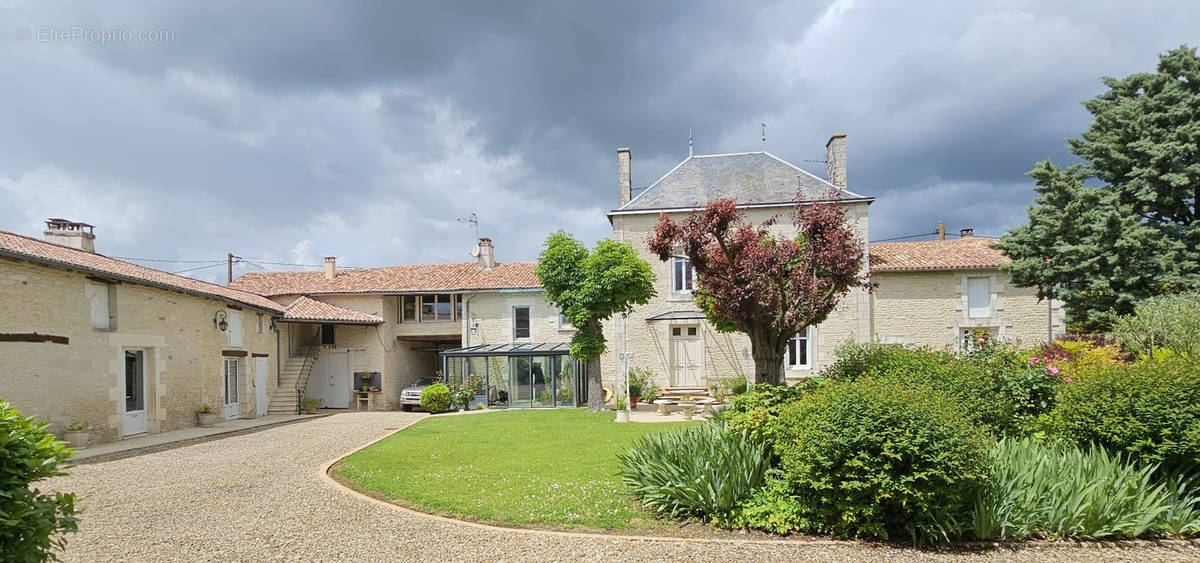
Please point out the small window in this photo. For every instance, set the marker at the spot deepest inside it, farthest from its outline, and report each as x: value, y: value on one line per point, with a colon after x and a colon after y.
x: 682, y: 275
x: 676, y: 331
x: 564, y: 322
x: 799, y: 350
x: 520, y: 322
x: 260, y: 323
x: 979, y: 297
x: 458, y: 306
x: 327, y: 337
x: 409, y: 309
x: 691, y: 331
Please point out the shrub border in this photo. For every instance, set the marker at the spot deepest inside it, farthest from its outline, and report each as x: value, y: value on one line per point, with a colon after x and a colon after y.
x: 1019, y: 545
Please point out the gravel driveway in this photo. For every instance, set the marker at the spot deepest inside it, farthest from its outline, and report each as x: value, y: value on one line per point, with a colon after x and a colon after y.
x: 261, y: 496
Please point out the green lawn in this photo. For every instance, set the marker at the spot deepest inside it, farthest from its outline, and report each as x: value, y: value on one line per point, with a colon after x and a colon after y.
x: 555, y: 468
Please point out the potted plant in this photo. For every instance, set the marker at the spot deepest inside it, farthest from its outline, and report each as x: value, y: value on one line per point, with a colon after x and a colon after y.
x: 688, y: 403
x: 478, y: 396
x: 311, y: 404
x: 206, y: 416
x: 650, y: 394
x: 622, y: 407
x: 77, y: 435
x: 639, y: 378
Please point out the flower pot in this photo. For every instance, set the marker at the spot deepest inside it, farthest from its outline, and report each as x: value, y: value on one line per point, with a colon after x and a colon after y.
x: 633, y: 399
x: 77, y: 439
x: 622, y: 415
x: 207, y: 419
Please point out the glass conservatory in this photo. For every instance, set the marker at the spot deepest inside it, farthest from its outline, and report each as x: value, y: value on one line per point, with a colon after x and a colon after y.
x: 518, y: 375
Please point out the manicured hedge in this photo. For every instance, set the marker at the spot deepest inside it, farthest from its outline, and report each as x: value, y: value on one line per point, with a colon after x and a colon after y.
x: 1149, y: 410
x: 436, y: 398
x: 978, y: 388
x: 875, y: 458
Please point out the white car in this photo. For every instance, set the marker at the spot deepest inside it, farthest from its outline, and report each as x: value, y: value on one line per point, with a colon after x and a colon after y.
x: 411, y: 396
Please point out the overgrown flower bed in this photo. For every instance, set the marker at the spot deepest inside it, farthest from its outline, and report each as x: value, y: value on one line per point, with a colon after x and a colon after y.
x: 1077, y: 439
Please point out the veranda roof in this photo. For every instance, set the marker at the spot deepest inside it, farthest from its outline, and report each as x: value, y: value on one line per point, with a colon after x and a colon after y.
x: 526, y: 349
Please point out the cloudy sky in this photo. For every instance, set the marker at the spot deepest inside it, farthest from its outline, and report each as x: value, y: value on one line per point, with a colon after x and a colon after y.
x: 287, y: 131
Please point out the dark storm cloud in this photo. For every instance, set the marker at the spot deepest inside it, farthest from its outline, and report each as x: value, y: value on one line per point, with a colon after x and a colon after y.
x: 291, y: 130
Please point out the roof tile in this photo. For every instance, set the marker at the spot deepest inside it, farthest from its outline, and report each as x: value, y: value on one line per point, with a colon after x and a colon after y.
x: 306, y: 309
x: 960, y: 254
x: 27, y: 248
x: 461, y: 276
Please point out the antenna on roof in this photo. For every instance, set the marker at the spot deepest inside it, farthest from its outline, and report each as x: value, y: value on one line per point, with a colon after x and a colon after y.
x: 472, y: 220
x: 764, y: 136
x: 689, y: 141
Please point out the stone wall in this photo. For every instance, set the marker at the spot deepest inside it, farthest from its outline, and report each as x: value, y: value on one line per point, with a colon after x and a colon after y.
x: 930, y: 309
x: 83, y: 381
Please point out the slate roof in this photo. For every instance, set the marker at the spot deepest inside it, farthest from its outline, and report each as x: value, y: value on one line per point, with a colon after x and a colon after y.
x: 305, y: 309
x: 461, y: 276
x: 971, y: 253
x: 751, y: 177
x: 21, y: 247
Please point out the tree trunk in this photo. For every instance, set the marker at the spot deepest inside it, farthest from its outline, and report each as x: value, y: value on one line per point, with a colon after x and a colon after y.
x: 595, y: 402
x: 768, y: 361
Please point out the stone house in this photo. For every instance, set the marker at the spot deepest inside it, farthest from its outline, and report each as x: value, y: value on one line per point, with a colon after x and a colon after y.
x: 131, y: 350
x: 123, y: 348
x: 383, y: 329
x: 929, y: 292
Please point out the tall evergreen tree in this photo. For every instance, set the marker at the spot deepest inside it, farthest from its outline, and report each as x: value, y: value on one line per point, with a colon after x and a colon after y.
x: 1123, y: 225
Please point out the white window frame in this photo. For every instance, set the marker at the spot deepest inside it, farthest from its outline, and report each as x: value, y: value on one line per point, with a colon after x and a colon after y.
x: 529, y: 321
x: 979, y: 287
x: 688, y: 282
x: 564, y: 323
x: 236, y: 364
x: 805, y: 337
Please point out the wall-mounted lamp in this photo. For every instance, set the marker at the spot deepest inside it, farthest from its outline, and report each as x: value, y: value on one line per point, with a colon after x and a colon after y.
x: 219, y: 321
x: 274, y: 326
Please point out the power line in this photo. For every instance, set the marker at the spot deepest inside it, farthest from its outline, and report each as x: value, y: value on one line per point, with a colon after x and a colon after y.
x: 284, y: 263
x: 904, y: 237
x: 163, y: 260
x: 221, y: 263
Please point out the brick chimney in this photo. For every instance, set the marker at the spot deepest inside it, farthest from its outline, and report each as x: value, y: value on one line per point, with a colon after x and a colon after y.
x: 71, y: 234
x: 624, y: 177
x: 486, y: 257
x: 330, y: 267
x: 835, y: 158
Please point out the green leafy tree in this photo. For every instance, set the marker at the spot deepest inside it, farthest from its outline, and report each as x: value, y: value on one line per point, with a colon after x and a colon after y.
x: 33, y: 524
x: 1123, y: 225
x: 589, y: 287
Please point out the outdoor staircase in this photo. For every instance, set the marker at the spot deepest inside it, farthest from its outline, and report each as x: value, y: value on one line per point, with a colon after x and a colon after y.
x: 293, y: 379
x: 678, y: 393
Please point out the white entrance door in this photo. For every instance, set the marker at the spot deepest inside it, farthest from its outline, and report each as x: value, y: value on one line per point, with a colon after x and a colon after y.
x: 260, y: 386
x: 135, y: 393
x: 338, y: 395
x: 685, y: 356
x: 233, y: 377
